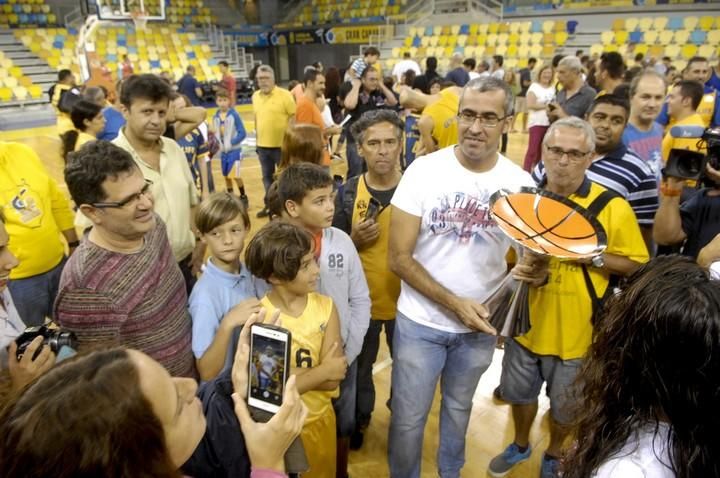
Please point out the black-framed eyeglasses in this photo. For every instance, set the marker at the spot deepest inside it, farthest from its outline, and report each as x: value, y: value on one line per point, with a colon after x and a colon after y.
x: 486, y: 119
x: 133, y: 198
x: 573, y: 154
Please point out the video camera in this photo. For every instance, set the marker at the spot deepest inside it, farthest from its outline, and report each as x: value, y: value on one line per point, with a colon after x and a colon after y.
x: 686, y: 164
x: 54, y: 338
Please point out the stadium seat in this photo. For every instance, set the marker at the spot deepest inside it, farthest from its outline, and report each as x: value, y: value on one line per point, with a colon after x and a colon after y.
x: 641, y: 48
x: 621, y: 37
x: 658, y: 23
x: 666, y: 37
x: 5, y: 94
x: 650, y: 37
x: 690, y: 23
x: 607, y: 37
x: 561, y: 38
x: 713, y: 37
x: 618, y: 24
x: 688, y: 51
x: 631, y: 24
x: 698, y: 37
x: 681, y: 37
x: 675, y: 23
x: 706, y: 50
x: 548, y: 26
x: 20, y: 93
x: 706, y: 23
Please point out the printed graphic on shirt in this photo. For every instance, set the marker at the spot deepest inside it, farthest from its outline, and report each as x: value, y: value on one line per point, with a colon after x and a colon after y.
x: 336, y: 264
x: 462, y: 216
x: 26, y: 204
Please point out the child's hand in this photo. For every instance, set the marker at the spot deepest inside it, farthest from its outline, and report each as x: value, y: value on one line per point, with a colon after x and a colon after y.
x: 239, y: 314
x: 335, y: 365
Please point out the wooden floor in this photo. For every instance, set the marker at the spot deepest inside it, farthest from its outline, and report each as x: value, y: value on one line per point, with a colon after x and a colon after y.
x: 490, y: 426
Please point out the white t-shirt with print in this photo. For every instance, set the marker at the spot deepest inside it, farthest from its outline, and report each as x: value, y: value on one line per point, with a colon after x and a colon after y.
x: 644, y: 455
x: 544, y: 96
x: 458, y: 243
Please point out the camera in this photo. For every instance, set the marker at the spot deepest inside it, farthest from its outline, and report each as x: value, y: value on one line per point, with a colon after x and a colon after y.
x: 54, y: 338
x: 686, y: 164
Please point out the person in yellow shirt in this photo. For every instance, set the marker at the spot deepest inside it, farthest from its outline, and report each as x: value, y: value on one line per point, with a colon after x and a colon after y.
x: 561, y: 311
x: 37, y: 218
x: 282, y: 254
x: 438, y: 122
x: 89, y: 122
x: 379, y: 136
x: 273, y: 108
x: 682, y: 104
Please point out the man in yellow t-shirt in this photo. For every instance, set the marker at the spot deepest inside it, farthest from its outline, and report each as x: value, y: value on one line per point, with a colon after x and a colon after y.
x: 561, y: 311
x: 379, y: 139
x: 273, y: 107
x: 37, y: 216
x: 438, y: 122
x: 682, y: 104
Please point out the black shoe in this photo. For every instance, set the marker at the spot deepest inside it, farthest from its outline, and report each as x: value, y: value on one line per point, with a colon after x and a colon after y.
x: 262, y: 213
x: 356, y: 440
x: 246, y: 202
x: 497, y: 395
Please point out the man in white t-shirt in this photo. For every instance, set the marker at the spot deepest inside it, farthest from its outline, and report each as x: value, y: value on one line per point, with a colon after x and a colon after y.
x: 407, y: 63
x: 450, y: 254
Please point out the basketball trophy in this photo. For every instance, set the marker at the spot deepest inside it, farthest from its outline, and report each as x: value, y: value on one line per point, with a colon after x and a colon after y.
x: 546, y: 225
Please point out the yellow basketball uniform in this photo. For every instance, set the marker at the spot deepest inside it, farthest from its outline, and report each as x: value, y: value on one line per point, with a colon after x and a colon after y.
x: 444, y: 114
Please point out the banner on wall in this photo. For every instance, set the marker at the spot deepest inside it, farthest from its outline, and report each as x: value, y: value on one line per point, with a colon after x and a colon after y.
x: 335, y: 35
x: 254, y: 39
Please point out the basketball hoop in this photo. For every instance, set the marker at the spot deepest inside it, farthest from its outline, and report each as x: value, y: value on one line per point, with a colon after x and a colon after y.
x: 139, y: 18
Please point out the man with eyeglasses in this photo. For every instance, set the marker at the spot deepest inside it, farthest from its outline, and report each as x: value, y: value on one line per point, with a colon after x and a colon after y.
x: 450, y: 255
x: 561, y: 310
x: 123, y: 286
x: 616, y: 167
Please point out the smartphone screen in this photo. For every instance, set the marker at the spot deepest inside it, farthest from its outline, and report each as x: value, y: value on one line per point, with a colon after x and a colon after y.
x: 269, y: 369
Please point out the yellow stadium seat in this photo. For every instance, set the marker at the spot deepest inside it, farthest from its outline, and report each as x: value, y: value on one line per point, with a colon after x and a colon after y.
x: 427, y: 41
x: 623, y: 49
x: 25, y: 81
x: 535, y: 49
x: 631, y: 24
x: 515, y: 27
x: 596, y: 49
x: 442, y: 40
x: 657, y: 51
x: 455, y: 29
x: 548, y: 26
x: 611, y: 47
x: 407, y: 42
x: 650, y: 37
x: 641, y: 48
x: 548, y: 38
x: 690, y: 23
x: 673, y: 51
x: 493, y: 28
x: 490, y: 51
x: 504, y: 28
x: 525, y: 38
x: 437, y: 30
x: 659, y: 23
x: 20, y: 93
x: 607, y: 37
x: 492, y: 39
x: 480, y: 51
x: 502, y: 39
x: 688, y: 51
x: 548, y: 51
x: 682, y: 36
x: 474, y: 29
x: 511, y: 63
x: 5, y: 94
x: 666, y: 37
x: 501, y: 50
x: 706, y: 50
x: 452, y: 40
x: 713, y: 37
x: 11, y: 82
x: 706, y: 23
x: 525, y: 27
x: 536, y: 38
x: 618, y: 24
x: 461, y: 40
x: 446, y: 30
x: 621, y: 37
x: 513, y: 38
x: 469, y: 51
x: 35, y: 92
x: 561, y: 38
x: 396, y: 52
x: 523, y: 51
x: 483, y: 28
x: 512, y: 51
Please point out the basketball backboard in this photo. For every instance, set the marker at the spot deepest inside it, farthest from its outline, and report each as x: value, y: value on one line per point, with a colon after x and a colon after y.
x: 123, y: 10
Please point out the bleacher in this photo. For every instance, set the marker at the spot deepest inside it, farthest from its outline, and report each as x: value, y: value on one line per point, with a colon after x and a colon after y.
x: 188, y: 12
x: 348, y: 11
x: 516, y: 41
x: 540, y: 5
x: 26, y: 13
x: 680, y: 38
x: 14, y: 85
x: 157, y: 49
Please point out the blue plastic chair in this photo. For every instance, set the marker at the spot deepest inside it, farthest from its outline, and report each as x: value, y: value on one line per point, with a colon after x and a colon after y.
x: 58, y: 45
x: 571, y: 26
x: 464, y: 29
x: 429, y: 31
x: 536, y: 27
x: 675, y: 23
x: 191, y: 55
x: 154, y: 63
x: 636, y: 37
x: 417, y: 42
x: 698, y: 37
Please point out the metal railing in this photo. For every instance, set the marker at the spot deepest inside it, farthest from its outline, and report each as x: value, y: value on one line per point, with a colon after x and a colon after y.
x: 493, y: 8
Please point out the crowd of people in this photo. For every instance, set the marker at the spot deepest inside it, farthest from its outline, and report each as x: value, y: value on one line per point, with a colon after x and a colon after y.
x: 160, y: 290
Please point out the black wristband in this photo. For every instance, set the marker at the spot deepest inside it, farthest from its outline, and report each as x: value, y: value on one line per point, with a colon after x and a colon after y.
x: 73, y: 244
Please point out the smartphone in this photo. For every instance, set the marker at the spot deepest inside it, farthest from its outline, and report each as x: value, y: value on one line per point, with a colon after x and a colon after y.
x: 269, y: 366
x: 373, y: 209
x: 345, y: 120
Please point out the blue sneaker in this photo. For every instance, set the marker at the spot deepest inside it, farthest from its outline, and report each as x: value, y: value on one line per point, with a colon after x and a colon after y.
x: 550, y: 467
x: 505, y: 461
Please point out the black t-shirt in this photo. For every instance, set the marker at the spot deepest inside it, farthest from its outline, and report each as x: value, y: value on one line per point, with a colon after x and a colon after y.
x: 524, y: 77
x: 422, y: 82
x: 366, y: 102
x: 700, y: 217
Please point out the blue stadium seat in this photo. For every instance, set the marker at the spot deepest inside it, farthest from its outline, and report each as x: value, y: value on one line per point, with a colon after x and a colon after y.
x: 191, y: 55
x: 536, y: 27
x: 636, y: 37
x: 572, y: 26
x: 698, y: 37
x: 428, y: 31
x: 675, y: 23
x: 417, y: 42
x: 155, y: 64
x: 464, y: 29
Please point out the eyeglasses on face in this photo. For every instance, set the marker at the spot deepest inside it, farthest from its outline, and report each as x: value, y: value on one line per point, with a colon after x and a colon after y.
x: 486, y: 119
x: 132, y: 199
x: 573, y: 154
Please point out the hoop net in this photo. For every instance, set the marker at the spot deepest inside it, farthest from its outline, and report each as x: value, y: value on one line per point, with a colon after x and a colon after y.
x: 139, y: 18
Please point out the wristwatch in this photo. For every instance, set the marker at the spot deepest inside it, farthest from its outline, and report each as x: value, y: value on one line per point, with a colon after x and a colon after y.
x: 598, y: 261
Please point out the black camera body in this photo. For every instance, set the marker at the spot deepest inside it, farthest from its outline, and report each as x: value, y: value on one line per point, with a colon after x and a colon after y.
x: 686, y: 164
x: 54, y: 338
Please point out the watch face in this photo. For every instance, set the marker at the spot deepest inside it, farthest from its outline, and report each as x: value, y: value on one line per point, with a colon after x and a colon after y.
x: 597, y: 261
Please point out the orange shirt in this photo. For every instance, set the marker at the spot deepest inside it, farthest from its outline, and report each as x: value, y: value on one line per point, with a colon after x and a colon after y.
x: 307, y: 112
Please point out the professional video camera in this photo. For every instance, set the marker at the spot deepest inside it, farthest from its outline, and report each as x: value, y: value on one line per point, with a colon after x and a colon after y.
x: 686, y: 164
x: 54, y: 338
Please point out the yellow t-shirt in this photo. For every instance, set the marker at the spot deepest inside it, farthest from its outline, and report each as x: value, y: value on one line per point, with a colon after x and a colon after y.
x: 560, y: 311
x: 308, y: 332
x: 272, y: 113
x: 83, y: 138
x: 690, y: 144
x: 36, y: 211
x: 444, y: 114
x: 706, y: 111
x: 384, y: 285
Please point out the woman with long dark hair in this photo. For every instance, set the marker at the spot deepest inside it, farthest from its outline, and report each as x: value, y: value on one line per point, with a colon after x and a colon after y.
x: 88, y: 121
x: 650, y: 385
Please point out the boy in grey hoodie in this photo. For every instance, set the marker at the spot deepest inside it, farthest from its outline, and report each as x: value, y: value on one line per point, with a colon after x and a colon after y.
x: 306, y: 192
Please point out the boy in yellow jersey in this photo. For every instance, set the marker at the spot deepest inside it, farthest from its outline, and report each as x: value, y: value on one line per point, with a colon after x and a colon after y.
x: 682, y: 104
x: 379, y: 136
x: 282, y: 254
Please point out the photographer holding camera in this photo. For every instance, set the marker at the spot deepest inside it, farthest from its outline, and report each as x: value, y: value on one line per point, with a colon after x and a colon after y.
x: 24, y: 370
x: 682, y: 104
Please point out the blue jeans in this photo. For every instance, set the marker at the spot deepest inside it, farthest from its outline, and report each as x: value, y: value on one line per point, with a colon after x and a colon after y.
x: 269, y: 158
x: 421, y: 356
x: 34, y: 296
x: 365, y: 361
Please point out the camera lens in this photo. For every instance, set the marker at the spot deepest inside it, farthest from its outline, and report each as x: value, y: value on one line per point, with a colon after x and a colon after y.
x: 58, y: 339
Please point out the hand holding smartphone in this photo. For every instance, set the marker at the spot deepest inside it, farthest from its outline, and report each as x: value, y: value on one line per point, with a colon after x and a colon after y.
x: 269, y: 366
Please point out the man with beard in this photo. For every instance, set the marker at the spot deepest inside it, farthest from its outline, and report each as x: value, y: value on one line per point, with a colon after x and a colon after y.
x: 698, y: 70
x: 614, y: 166
x: 308, y: 112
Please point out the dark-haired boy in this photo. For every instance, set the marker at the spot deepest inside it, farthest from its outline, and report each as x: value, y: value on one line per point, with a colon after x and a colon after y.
x: 144, y: 104
x: 306, y: 192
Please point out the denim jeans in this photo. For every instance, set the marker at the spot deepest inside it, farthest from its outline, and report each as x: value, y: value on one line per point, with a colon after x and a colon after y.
x: 422, y: 355
x: 356, y: 164
x: 34, y: 296
x: 365, y: 361
x: 269, y: 158
x: 344, y: 404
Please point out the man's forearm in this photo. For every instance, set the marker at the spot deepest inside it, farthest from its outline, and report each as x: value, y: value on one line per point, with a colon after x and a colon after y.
x: 70, y: 236
x: 619, y: 265
x: 413, y: 273
x: 389, y: 96
x: 667, y: 229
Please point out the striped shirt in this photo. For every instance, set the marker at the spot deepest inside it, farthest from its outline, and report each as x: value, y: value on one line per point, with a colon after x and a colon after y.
x: 625, y: 173
x: 133, y: 300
